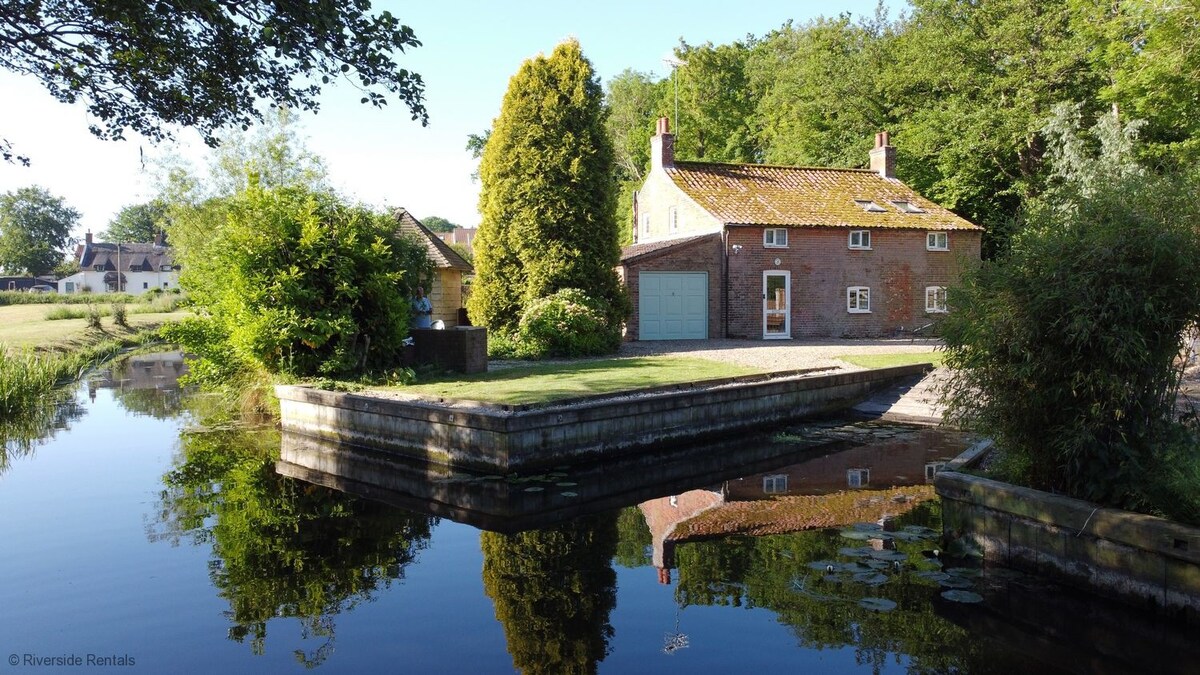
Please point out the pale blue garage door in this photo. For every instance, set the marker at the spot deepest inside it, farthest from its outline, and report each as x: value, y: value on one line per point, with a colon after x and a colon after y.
x: 672, y: 305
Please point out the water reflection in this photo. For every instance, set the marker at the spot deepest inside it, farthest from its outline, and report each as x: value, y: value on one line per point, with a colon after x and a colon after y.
x: 553, y: 590
x: 21, y: 435
x: 143, y: 383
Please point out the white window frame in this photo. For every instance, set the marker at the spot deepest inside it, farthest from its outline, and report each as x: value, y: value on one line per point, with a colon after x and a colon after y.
x: 932, y: 306
x: 164, y: 268
x: 854, y: 299
x: 937, y: 241
x: 775, y: 484
x: 862, y: 235
x: 870, y: 206
x: 645, y: 223
x: 907, y: 206
x: 932, y: 469
x: 97, y: 268
x: 673, y: 220
x: 771, y: 237
x: 858, y: 478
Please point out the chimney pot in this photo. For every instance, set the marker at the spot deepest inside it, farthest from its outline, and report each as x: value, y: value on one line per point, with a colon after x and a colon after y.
x: 883, y: 156
x: 662, y: 146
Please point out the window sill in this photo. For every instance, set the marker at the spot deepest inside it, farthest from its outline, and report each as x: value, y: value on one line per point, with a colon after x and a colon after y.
x: 858, y: 311
x: 860, y: 248
x: 774, y: 246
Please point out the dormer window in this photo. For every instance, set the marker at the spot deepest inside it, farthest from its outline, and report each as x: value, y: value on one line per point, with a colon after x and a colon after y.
x: 908, y: 207
x: 860, y: 240
x: 775, y: 237
x: 98, y: 268
x: 165, y: 268
x: 937, y: 241
x: 858, y: 478
x: 870, y: 206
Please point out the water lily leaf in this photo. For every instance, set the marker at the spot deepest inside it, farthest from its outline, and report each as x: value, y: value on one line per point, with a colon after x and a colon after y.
x: 889, y: 555
x: 877, y: 564
x: 569, y: 494
x: 962, y: 596
x: 920, y: 531
x: 566, y: 483
x: 956, y: 582
x: 492, y: 477
x: 967, y: 572
x: 823, y: 565
x: 877, y: 604
x: 934, y: 576
x: 858, y: 535
x: 535, y: 488
x: 867, y: 527
x: 871, y: 578
x: 855, y: 551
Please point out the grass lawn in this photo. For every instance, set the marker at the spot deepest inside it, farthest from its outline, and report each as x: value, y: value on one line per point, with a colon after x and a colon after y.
x: 26, y: 326
x: 889, y: 360
x: 550, y: 381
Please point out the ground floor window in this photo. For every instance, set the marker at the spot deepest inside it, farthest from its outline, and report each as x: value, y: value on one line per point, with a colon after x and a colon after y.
x: 858, y: 299
x: 70, y: 287
x: 775, y: 484
x: 935, y: 299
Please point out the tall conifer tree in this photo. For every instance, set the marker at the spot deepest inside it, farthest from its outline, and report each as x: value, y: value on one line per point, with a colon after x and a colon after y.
x: 547, y: 194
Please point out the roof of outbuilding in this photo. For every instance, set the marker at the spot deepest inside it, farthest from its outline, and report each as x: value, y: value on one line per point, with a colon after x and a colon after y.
x: 637, y: 252
x: 761, y: 194
x: 440, y: 253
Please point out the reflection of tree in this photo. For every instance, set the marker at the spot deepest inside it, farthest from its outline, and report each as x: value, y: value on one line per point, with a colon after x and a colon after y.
x: 20, y: 434
x: 772, y: 572
x: 634, y: 538
x: 282, y: 548
x: 553, y: 590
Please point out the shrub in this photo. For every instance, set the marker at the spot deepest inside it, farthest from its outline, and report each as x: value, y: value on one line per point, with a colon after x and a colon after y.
x: 93, y: 317
x: 1066, y: 350
x: 120, y: 317
x: 567, y: 323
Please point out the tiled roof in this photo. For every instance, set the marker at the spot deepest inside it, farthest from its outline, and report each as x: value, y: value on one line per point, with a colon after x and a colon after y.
x: 647, y: 250
x: 440, y: 253
x: 759, y: 194
x: 144, y: 256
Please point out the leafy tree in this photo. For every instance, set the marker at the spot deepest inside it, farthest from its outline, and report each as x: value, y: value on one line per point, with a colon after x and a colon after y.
x: 294, y: 281
x: 553, y: 590
x: 144, y: 65
x: 633, y: 101
x: 137, y: 222
x: 438, y: 224
x: 35, y: 230
x: 281, y: 548
x: 715, y: 104
x: 547, y: 195
x: 1066, y: 349
x: 273, y: 154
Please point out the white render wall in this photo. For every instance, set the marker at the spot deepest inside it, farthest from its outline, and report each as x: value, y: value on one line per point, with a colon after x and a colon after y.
x: 136, y: 283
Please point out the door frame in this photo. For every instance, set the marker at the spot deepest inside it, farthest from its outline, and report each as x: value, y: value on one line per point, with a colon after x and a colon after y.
x: 787, y: 310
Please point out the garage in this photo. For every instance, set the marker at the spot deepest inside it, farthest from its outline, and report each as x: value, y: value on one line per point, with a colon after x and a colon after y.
x: 672, y: 305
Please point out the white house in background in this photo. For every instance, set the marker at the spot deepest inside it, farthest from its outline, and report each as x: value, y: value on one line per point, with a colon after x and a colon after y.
x: 112, y: 268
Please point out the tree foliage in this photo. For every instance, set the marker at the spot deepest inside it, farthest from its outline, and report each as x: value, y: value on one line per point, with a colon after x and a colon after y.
x: 1066, y: 350
x: 141, y: 65
x: 553, y: 590
x: 137, y: 222
x: 35, y: 230
x: 295, y: 281
x: 438, y: 224
x: 548, y: 195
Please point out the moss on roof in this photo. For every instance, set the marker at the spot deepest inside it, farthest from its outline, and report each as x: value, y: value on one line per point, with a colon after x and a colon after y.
x: 761, y: 194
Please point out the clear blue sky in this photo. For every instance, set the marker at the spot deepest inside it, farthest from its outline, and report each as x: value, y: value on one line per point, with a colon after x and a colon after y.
x: 380, y: 157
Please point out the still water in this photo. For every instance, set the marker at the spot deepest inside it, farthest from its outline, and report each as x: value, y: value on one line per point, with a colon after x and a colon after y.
x: 142, y: 531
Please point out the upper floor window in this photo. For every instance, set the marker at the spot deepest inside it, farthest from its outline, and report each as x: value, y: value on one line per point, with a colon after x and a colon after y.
x: 673, y: 220
x: 98, y: 268
x: 645, y: 223
x: 857, y: 478
x: 908, y: 207
x: 860, y: 239
x: 868, y: 205
x: 775, y: 237
x: 937, y: 241
x: 775, y: 484
x: 935, y: 299
x: 858, y: 300
x: 165, y: 268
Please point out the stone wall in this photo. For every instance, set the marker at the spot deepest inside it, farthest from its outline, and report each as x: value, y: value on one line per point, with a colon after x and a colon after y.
x: 1138, y: 558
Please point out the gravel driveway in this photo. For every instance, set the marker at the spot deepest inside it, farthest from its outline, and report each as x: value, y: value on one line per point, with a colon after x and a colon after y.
x: 780, y: 354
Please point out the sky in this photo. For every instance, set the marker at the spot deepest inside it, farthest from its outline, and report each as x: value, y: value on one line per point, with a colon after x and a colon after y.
x: 381, y: 157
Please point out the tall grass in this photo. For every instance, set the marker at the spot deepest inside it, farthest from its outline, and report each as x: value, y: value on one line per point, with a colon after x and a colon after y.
x: 21, y: 298
x: 159, y: 304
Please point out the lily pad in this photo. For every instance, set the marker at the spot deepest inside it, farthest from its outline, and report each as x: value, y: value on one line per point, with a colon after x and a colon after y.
x: 832, y: 579
x: 938, y: 577
x: 867, y: 527
x: 535, y: 488
x: 920, y: 531
x: 956, y: 595
x: 966, y: 572
x: 858, y: 535
x: 877, y: 604
x: 956, y: 582
x: 826, y: 565
x: 855, y: 551
x: 569, y: 494
x: 871, y: 578
x: 889, y: 555
x: 566, y: 483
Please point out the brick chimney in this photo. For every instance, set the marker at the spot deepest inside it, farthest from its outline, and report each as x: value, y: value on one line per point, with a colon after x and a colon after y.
x: 87, y: 238
x: 158, y: 238
x: 662, y: 146
x: 883, y: 156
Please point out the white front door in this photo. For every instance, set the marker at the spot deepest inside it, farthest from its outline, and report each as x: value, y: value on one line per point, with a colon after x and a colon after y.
x: 777, y: 304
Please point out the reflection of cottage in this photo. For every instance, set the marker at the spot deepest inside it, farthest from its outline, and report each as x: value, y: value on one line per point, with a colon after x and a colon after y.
x: 867, y: 483
x: 449, y: 267
x: 756, y: 251
x: 130, y: 268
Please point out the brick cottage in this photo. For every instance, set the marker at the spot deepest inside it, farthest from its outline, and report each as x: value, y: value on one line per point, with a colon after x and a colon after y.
x: 774, y: 252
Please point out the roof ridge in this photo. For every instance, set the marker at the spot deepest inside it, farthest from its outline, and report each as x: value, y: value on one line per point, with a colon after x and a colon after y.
x: 777, y: 166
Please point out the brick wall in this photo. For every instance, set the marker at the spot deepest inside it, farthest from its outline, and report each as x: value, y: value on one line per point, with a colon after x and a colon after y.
x: 897, y: 269
x: 701, y: 256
